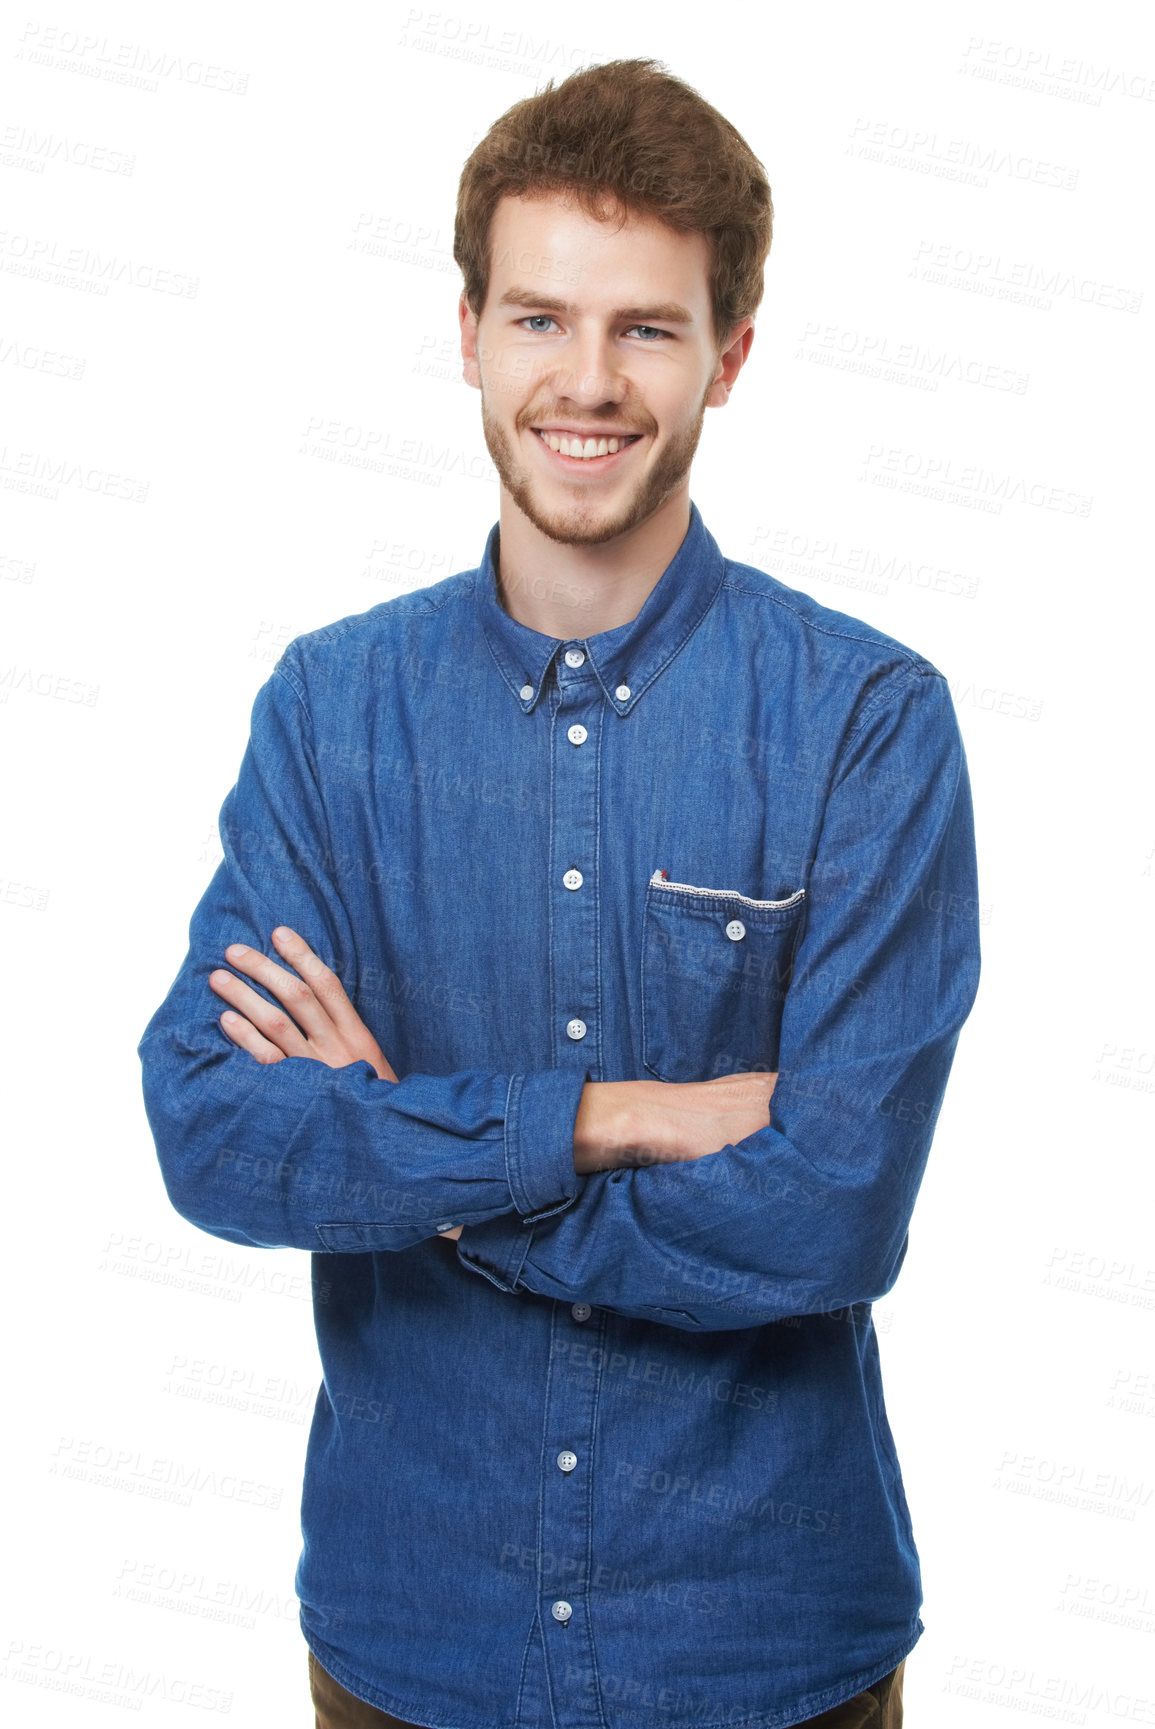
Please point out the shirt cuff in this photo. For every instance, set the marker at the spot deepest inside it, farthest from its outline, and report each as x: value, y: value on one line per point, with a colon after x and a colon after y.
x: 540, y: 1114
x: 539, y: 1130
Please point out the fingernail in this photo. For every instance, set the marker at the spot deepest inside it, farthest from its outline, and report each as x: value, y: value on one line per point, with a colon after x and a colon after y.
x: 236, y: 949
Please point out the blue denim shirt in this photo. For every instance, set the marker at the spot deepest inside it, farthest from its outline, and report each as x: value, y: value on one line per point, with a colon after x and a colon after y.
x: 618, y: 1456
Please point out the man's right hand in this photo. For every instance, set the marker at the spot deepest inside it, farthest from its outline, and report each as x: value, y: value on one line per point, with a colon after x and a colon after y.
x: 624, y: 1123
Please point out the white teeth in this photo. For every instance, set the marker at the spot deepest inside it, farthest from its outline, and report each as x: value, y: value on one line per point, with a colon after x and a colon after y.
x: 564, y: 445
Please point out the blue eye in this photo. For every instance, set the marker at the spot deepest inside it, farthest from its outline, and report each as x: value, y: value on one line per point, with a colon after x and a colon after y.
x: 538, y: 321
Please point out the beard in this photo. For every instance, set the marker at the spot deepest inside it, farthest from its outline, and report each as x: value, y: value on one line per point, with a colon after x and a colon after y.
x: 585, y: 524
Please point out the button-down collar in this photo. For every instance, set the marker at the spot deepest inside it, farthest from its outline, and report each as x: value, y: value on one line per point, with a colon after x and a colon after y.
x: 631, y: 656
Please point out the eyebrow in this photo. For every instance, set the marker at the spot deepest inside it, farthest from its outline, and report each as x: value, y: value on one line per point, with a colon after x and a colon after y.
x: 669, y: 312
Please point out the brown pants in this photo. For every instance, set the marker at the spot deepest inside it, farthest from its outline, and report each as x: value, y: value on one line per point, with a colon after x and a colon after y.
x: 879, y: 1707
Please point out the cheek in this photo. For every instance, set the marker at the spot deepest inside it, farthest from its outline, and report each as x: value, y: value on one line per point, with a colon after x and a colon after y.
x: 512, y: 378
x: 677, y: 401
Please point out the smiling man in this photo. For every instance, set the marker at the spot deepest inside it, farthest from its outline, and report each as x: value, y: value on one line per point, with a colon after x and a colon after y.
x: 616, y: 393
x: 596, y: 928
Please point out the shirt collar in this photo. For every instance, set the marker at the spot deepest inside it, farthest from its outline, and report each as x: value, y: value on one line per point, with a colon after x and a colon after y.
x: 628, y: 658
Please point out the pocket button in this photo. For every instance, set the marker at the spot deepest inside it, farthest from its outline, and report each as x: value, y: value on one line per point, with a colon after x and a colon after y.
x: 735, y: 930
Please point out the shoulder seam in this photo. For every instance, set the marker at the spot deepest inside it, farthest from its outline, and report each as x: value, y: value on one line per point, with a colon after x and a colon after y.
x: 812, y: 624
x: 333, y: 633
x: 341, y: 627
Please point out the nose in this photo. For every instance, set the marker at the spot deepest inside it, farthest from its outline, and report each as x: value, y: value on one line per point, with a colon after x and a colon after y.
x: 591, y: 372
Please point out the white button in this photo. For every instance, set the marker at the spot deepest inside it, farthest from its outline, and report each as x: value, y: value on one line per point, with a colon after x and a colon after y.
x: 573, y: 879
x: 566, y: 1461
x: 735, y: 930
x: 576, y: 1029
x: 576, y: 734
x: 562, y: 1612
x: 574, y: 657
x: 580, y: 1311
x: 526, y: 692
x: 622, y: 692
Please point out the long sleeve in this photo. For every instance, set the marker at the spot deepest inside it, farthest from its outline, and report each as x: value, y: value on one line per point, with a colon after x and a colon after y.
x: 812, y: 1212
x: 294, y: 1153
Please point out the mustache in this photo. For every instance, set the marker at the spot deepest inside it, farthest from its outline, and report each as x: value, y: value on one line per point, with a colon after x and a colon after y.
x: 556, y: 414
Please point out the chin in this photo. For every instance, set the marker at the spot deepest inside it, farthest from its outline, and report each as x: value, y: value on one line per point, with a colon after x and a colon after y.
x: 581, y: 535
x: 576, y: 527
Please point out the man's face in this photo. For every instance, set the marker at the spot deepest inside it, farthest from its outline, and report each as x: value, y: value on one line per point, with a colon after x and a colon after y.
x: 594, y: 332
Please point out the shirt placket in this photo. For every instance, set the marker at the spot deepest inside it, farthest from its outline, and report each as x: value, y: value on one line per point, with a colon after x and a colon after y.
x: 577, y: 711
x: 576, y: 721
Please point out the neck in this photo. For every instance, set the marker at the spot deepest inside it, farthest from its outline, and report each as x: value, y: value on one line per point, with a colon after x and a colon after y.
x: 578, y: 591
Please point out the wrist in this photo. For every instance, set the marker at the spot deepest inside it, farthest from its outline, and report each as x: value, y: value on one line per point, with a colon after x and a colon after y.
x: 613, y: 1129
x: 589, y: 1129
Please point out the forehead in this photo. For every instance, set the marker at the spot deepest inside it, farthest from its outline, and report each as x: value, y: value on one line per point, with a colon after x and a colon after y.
x: 549, y: 241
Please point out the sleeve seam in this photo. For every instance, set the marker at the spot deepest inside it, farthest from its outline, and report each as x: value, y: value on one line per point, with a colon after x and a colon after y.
x: 899, y: 681
x: 282, y: 667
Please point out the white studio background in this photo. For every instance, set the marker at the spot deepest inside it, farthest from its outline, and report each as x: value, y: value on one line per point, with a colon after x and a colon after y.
x: 232, y: 412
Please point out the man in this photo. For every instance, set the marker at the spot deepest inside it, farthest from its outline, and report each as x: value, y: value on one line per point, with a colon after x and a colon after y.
x: 596, y: 928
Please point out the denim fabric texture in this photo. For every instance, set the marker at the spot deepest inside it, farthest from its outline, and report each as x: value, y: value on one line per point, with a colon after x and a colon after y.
x: 619, y: 1455
x: 877, y: 1707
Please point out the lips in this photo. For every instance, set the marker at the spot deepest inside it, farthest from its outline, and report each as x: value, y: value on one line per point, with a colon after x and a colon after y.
x: 563, y: 442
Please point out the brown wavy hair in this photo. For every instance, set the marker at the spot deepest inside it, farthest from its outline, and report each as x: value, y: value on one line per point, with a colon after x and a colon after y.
x: 624, y: 137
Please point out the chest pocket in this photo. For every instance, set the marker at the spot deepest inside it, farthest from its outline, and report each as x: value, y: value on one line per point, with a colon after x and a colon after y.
x: 716, y: 966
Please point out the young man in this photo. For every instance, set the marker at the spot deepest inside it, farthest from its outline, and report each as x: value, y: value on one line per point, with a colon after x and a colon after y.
x: 597, y: 927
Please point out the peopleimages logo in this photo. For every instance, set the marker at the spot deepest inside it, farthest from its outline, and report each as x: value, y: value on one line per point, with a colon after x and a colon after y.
x: 940, y: 476
x: 1019, y: 281
x: 1062, y: 75
x: 962, y: 159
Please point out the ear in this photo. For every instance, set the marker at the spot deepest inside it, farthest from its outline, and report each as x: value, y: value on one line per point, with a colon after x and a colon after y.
x: 471, y: 371
x: 730, y: 363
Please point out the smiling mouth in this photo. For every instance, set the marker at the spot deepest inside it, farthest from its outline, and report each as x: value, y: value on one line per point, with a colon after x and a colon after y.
x: 592, y: 448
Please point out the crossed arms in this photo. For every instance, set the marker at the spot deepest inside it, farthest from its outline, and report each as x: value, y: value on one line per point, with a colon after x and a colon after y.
x: 595, y: 1191
x: 619, y: 1124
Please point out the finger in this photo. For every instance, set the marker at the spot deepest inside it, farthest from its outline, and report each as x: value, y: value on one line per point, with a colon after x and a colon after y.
x: 347, y: 1026
x: 322, y: 980
x: 244, y: 1034
x: 266, y: 1017
x: 297, y: 996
